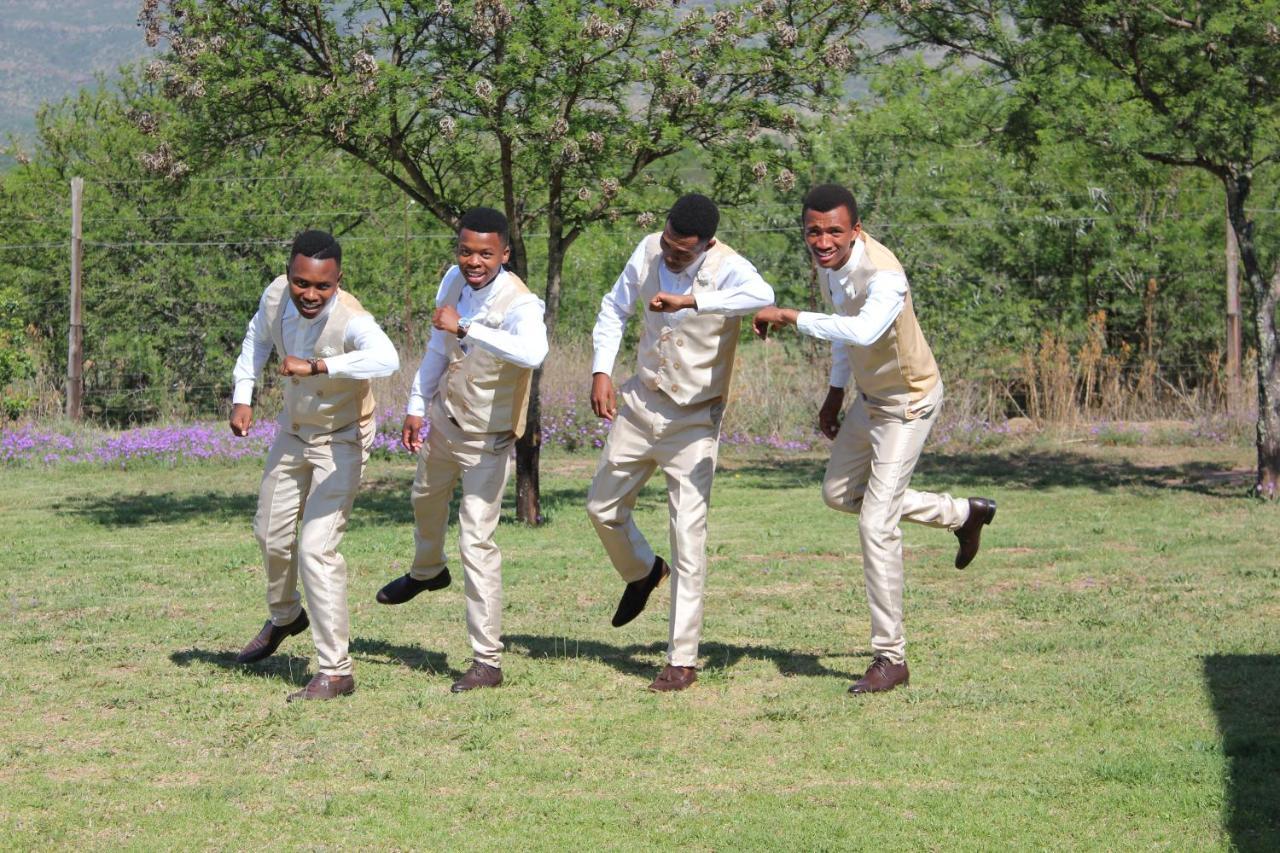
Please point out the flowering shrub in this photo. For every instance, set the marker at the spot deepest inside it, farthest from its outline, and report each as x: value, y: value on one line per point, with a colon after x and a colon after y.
x: 566, y: 425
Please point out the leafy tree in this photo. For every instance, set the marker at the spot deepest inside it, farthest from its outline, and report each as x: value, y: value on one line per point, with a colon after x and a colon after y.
x: 559, y: 108
x: 1002, y: 241
x: 1182, y: 84
x: 174, y: 262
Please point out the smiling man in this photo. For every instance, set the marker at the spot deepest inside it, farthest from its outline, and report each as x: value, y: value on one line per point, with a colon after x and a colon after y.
x: 694, y: 291
x: 875, y: 341
x: 474, y: 380
x: 329, y: 349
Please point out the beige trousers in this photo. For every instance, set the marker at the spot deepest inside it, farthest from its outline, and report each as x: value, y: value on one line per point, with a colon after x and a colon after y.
x: 872, y: 460
x: 650, y: 432
x: 304, y: 502
x: 482, y: 462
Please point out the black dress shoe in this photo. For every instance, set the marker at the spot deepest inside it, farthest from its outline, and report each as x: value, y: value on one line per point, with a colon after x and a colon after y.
x: 269, y: 639
x: 882, y: 675
x: 405, y: 587
x: 981, y: 511
x: 636, y: 595
x: 324, y: 687
x: 479, y: 675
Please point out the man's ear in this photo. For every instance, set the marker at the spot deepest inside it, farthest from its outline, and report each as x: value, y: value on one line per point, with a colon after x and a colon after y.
x: 711, y: 242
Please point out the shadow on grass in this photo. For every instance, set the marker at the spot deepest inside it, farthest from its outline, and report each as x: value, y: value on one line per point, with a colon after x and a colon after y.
x: 291, y: 668
x: 163, y: 508
x: 636, y: 659
x: 414, y: 657
x: 1245, y: 691
x: 385, y: 500
x: 1024, y: 469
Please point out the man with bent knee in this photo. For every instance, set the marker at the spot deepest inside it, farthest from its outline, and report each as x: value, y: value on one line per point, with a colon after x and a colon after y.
x: 692, y: 291
x: 876, y: 342
x: 329, y: 349
x: 488, y: 337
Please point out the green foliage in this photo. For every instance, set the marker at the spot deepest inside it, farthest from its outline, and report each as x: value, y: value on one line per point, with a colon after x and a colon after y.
x: 563, y: 110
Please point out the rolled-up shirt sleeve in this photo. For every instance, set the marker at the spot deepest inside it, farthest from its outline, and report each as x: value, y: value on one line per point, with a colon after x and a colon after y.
x: 372, y: 355
x: 616, y: 307
x: 254, y: 352
x: 741, y: 290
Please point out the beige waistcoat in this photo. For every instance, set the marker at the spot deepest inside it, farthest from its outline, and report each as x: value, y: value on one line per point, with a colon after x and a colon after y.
x: 899, y: 367
x: 315, y: 406
x: 691, y: 361
x: 481, y: 392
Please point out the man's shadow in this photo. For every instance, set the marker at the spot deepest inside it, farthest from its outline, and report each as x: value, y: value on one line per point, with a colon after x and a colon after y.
x: 295, y: 669
x: 637, y: 659
x: 1245, y: 691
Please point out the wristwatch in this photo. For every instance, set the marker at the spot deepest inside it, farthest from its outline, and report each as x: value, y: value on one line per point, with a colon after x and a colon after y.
x: 464, y: 323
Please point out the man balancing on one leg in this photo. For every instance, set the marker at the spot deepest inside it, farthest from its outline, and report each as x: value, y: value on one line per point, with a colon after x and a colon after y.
x: 693, y: 291
x: 329, y: 349
x: 876, y: 341
x: 488, y: 338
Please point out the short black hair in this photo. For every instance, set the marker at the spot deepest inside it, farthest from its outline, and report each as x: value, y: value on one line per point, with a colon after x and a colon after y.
x: 486, y: 220
x: 320, y: 245
x: 826, y: 197
x: 694, y: 215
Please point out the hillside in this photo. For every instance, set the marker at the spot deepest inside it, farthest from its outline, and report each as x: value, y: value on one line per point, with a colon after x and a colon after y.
x: 51, y: 48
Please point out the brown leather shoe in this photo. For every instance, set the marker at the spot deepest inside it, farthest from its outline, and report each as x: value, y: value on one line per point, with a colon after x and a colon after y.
x: 479, y: 675
x: 882, y: 675
x: 269, y: 639
x: 674, y: 678
x: 324, y: 687
x: 636, y: 595
x: 981, y: 512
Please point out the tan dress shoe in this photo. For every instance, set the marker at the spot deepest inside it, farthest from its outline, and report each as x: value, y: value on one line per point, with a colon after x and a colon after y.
x: 882, y: 675
x: 324, y: 687
x: 479, y: 675
x: 674, y: 678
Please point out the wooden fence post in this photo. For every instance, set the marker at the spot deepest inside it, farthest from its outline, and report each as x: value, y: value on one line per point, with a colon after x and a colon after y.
x: 75, y: 332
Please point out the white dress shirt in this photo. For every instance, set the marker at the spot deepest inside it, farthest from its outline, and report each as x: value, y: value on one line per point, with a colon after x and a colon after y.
x: 739, y: 290
x: 371, y: 356
x: 521, y: 338
x: 886, y: 295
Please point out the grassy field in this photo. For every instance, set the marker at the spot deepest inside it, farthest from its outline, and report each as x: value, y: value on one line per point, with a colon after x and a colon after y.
x: 1105, y: 676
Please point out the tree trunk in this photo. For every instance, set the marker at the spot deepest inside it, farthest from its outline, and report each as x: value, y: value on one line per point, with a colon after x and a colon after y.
x: 1266, y: 296
x: 529, y: 445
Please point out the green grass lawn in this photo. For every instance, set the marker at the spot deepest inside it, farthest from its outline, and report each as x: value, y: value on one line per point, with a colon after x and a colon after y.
x: 1106, y: 675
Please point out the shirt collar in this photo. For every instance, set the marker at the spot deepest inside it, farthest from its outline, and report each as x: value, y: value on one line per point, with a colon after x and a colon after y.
x: 690, y: 272
x: 841, y: 275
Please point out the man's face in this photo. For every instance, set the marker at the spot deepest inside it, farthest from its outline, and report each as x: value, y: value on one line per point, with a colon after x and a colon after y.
x: 480, y: 256
x: 678, y: 252
x: 830, y: 236
x: 312, y: 283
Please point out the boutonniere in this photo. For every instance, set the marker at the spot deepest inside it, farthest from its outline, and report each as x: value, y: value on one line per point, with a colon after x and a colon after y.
x: 327, y: 352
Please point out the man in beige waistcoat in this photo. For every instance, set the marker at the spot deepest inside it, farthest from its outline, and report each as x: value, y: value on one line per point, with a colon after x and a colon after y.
x: 876, y: 342
x: 329, y: 349
x: 473, y: 386
x: 693, y: 291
